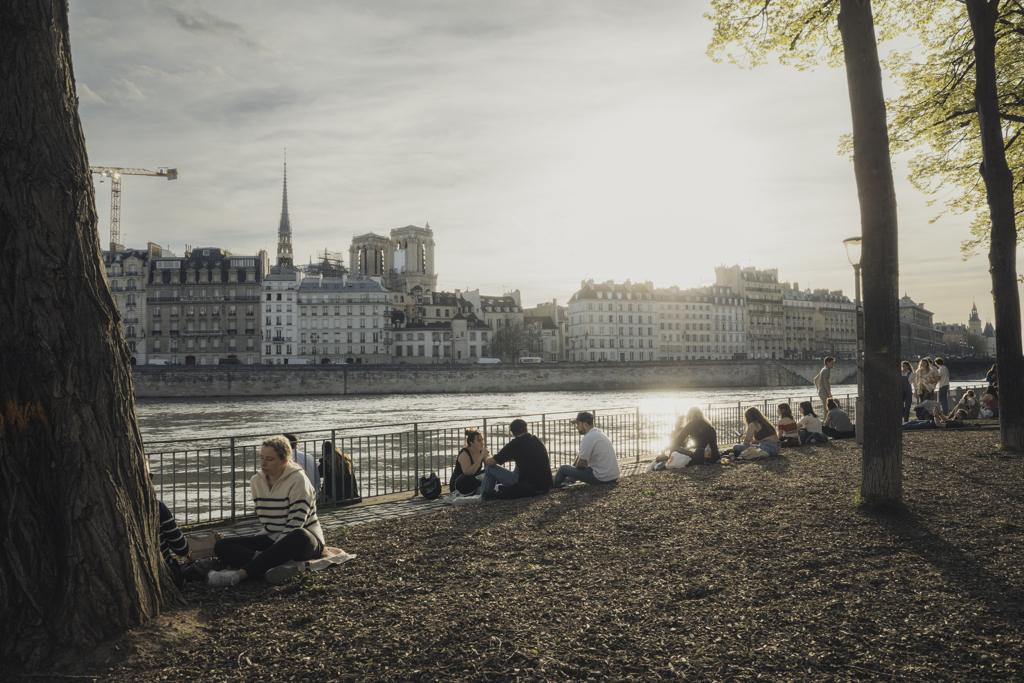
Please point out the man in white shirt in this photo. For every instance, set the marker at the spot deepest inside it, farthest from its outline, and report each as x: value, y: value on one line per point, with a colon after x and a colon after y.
x: 596, y: 463
x: 943, y: 384
x: 306, y: 461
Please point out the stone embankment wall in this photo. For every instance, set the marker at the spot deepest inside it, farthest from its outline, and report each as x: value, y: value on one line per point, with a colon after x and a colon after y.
x: 234, y: 381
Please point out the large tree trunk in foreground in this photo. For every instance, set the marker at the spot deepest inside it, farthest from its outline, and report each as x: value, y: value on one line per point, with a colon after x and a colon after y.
x: 1002, y: 256
x: 79, y: 558
x: 882, y: 468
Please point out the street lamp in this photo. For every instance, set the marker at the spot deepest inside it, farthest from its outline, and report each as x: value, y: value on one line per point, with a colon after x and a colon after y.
x: 853, y: 245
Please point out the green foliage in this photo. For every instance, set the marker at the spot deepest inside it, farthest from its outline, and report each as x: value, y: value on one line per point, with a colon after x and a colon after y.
x: 977, y: 343
x: 935, y: 115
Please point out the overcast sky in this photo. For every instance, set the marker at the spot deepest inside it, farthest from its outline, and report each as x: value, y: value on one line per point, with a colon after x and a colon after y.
x: 544, y: 142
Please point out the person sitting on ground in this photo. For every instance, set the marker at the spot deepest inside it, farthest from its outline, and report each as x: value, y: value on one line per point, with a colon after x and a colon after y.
x: 990, y: 400
x: 760, y: 434
x: 340, y: 479
x: 810, y: 425
x: 172, y: 542
x: 700, y: 432
x: 837, y: 423
x: 969, y: 404
x: 286, y: 506
x: 306, y: 461
x: 533, y: 466
x: 596, y: 463
x: 788, y: 426
x: 469, y: 464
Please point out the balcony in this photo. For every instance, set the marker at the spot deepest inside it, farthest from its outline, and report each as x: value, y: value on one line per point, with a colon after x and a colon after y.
x: 130, y: 321
x: 173, y: 333
x: 155, y: 333
x: 159, y: 299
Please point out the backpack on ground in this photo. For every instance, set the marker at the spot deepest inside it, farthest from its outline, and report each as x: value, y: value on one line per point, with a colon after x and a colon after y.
x: 430, y: 486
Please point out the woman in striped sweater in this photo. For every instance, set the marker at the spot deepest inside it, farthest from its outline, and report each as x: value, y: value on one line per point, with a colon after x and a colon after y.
x: 286, y: 506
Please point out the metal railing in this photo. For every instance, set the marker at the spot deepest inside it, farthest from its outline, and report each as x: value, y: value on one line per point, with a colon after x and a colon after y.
x: 206, y: 480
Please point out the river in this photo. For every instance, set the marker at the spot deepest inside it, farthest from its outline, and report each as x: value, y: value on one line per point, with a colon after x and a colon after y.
x: 166, y: 419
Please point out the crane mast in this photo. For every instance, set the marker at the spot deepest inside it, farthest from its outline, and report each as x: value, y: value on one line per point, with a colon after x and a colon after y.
x: 115, y: 173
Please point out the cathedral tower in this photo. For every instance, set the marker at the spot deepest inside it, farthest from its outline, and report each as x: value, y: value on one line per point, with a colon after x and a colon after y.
x: 284, y: 232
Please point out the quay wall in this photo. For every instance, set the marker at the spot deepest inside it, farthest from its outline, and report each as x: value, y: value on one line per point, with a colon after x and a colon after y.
x: 237, y: 381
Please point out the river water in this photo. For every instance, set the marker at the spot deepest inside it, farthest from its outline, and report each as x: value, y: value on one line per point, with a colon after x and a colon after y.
x: 196, y: 418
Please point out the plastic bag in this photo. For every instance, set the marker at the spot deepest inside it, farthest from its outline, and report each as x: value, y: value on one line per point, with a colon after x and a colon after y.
x: 677, y: 461
x: 753, y: 454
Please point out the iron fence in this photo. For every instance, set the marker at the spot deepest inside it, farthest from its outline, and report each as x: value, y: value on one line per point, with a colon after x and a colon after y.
x: 206, y: 480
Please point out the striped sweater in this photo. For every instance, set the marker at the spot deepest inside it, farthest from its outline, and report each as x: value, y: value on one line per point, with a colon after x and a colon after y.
x: 290, y: 504
x: 171, y: 541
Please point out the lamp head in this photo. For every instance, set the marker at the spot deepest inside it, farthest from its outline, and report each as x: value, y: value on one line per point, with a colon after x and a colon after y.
x: 852, y: 245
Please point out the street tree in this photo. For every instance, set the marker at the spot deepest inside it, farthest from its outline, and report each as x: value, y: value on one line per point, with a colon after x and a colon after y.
x: 963, y: 112
x: 514, y: 340
x: 80, y: 558
x: 800, y: 33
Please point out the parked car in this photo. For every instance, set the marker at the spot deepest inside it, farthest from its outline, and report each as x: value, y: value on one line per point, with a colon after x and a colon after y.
x: 230, y: 361
x: 531, y: 359
x: 485, y: 361
x: 158, y: 361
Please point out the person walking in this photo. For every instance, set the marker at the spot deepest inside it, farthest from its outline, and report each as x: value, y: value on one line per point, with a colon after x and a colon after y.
x: 596, y: 463
x: 823, y: 380
x: 943, y: 383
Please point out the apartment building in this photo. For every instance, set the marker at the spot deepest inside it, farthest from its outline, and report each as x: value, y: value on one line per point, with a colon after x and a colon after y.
x: 279, y: 313
x: 762, y: 294
x: 798, y: 312
x: 343, y: 319
x: 835, y: 324
x: 126, y: 271
x: 203, y: 306
x: 704, y: 323
x: 612, y: 322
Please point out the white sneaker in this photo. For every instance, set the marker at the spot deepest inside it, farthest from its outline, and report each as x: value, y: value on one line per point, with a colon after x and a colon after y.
x: 278, y: 575
x: 228, y: 577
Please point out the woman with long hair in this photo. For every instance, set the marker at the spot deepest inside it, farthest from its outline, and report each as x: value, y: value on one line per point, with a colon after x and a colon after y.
x: 700, y: 433
x: 339, y: 476
x: 990, y: 401
x: 908, y: 379
x: 993, y: 375
x: 787, y: 426
x: 469, y: 464
x: 925, y: 381
x: 810, y: 425
x: 760, y: 433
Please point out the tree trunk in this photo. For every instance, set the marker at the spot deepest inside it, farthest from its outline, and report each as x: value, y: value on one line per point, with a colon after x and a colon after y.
x: 1002, y: 255
x: 882, y: 468
x: 80, y: 558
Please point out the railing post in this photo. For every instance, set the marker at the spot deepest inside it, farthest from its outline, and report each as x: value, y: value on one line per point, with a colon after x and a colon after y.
x: 486, y: 433
x: 334, y: 444
x: 233, y: 482
x: 416, y: 453
x: 638, y: 433
x: 544, y: 427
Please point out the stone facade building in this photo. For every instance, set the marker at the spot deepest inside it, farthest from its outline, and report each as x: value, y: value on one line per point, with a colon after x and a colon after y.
x: 342, y: 320
x: 918, y: 336
x: 560, y: 316
x: 279, y: 315
x: 704, y: 323
x: 954, y: 339
x: 127, y: 272
x: 204, y: 306
x: 798, y: 312
x: 612, y: 322
x: 835, y: 324
x: 761, y: 291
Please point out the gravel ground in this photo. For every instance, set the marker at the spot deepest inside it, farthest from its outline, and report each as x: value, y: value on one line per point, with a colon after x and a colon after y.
x: 761, y: 570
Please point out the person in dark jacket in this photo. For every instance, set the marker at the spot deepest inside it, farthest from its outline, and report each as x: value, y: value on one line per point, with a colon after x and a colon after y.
x: 701, y: 433
x: 533, y: 466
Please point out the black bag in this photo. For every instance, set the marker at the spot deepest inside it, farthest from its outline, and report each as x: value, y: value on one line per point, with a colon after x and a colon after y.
x: 430, y: 486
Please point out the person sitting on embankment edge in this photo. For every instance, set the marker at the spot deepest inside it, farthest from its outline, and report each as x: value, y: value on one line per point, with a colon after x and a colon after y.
x: 701, y: 433
x: 533, y: 466
x: 469, y: 464
x: 760, y: 434
x: 596, y: 463
x: 788, y: 426
x: 837, y: 423
x: 306, y: 461
x: 286, y: 506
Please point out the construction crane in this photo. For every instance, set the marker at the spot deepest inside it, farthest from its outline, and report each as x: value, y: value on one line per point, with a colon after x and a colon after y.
x: 115, y: 191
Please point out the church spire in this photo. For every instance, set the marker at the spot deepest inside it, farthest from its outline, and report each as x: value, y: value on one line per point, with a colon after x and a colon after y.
x: 284, y: 232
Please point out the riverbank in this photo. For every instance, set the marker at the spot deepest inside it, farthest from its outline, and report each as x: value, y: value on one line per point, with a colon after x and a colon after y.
x: 762, y: 569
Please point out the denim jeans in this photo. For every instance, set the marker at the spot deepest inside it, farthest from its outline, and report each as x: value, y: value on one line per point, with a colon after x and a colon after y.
x: 497, y: 475
x: 919, y: 424
x: 240, y: 551
x: 944, y: 398
x: 772, y: 448
x: 586, y: 475
x: 908, y: 400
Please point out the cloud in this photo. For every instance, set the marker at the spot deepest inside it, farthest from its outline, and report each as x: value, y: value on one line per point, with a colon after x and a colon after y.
x: 125, y: 91
x: 202, y: 22
x: 87, y: 96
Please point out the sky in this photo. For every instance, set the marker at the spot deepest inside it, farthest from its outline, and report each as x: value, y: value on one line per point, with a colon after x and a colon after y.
x: 545, y: 143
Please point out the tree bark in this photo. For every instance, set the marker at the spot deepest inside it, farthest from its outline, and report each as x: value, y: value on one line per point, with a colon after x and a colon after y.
x: 1002, y: 255
x: 80, y: 558
x: 882, y: 466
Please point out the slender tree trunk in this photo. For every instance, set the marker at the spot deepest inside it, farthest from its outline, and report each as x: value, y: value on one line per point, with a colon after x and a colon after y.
x: 882, y: 469
x: 1002, y: 255
x: 79, y: 558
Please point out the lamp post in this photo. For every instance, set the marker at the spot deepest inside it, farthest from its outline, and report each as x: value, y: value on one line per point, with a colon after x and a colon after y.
x: 853, y: 245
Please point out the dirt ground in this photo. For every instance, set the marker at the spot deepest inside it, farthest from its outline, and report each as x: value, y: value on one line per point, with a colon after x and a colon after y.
x: 762, y: 570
